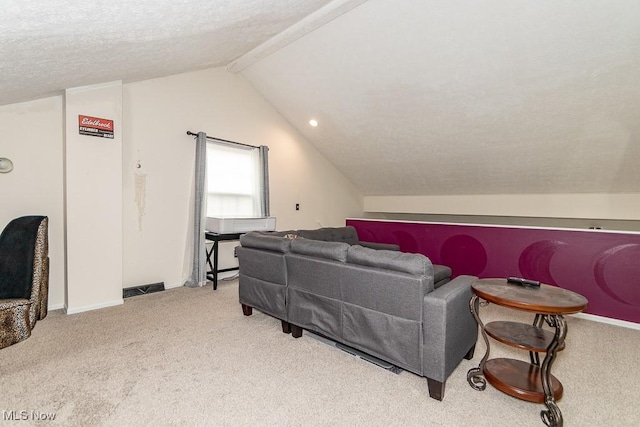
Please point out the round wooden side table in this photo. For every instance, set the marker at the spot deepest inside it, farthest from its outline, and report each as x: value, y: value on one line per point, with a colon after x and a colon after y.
x: 531, y: 381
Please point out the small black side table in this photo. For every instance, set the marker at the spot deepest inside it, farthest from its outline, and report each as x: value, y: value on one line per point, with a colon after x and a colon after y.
x: 212, y: 273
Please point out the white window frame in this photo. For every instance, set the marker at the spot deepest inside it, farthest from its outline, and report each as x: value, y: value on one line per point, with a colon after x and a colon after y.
x: 235, y: 181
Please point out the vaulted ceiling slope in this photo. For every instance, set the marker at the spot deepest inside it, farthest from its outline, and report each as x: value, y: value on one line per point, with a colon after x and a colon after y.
x: 414, y: 97
x: 47, y: 46
x: 420, y: 97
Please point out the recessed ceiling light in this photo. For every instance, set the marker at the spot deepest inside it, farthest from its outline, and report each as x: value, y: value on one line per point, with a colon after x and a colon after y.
x: 313, y: 122
x: 6, y: 165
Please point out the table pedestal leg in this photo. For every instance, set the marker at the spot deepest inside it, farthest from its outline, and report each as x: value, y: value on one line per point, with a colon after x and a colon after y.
x: 475, y: 376
x: 552, y: 417
x: 535, y: 356
x: 215, y: 265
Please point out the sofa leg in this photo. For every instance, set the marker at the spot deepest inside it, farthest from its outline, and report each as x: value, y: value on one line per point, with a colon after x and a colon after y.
x: 246, y: 310
x: 436, y: 389
x: 469, y: 354
x: 286, y: 327
x: 296, y: 331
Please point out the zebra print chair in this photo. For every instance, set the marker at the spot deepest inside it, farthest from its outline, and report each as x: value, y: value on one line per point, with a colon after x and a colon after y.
x: 24, y: 277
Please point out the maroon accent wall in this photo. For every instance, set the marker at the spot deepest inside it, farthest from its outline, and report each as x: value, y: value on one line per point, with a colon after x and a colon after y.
x: 602, y: 266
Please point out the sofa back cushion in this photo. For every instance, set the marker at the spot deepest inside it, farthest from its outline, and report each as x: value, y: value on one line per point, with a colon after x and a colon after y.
x: 332, y: 234
x: 415, y: 264
x: 257, y: 240
x: 336, y: 251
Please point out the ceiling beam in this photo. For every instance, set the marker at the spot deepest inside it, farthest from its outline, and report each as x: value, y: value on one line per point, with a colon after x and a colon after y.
x: 317, y: 19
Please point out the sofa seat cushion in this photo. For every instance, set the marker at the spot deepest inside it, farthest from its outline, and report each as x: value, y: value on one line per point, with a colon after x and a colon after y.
x: 416, y: 264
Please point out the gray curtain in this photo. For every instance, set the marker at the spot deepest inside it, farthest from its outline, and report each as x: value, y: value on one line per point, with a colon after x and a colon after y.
x: 198, y: 275
x: 264, y: 181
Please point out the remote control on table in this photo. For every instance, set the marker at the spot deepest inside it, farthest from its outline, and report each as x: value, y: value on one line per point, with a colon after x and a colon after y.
x: 523, y: 282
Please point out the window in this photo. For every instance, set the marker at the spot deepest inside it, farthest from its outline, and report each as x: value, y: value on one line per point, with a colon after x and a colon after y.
x: 237, y: 184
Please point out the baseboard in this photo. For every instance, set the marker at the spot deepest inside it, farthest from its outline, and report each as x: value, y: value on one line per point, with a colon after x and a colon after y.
x: 81, y: 309
x: 227, y: 275
x: 608, y: 320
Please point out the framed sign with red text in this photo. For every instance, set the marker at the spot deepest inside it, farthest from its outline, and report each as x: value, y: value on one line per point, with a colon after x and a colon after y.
x: 95, y: 126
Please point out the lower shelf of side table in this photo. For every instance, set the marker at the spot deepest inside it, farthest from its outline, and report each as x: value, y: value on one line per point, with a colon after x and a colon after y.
x: 519, y: 379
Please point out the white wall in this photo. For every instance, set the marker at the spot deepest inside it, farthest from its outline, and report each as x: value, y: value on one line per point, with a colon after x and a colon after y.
x: 156, y: 196
x: 31, y: 136
x: 156, y: 115
x: 93, y: 205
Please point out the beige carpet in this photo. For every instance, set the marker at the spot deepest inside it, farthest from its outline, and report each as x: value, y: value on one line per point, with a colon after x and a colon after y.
x: 189, y: 357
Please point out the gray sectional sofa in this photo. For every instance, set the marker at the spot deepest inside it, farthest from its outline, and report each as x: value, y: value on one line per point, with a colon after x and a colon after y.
x: 379, y: 301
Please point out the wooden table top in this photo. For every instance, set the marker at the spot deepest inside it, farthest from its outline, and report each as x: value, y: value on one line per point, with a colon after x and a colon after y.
x: 545, y: 299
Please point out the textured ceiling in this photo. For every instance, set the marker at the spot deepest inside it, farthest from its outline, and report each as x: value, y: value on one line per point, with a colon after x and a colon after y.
x: 419, y: 97
x: 49, y: 45
x: 414, y: 97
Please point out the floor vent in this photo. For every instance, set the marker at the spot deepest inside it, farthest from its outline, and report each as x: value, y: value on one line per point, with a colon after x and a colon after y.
x: 142, y: 290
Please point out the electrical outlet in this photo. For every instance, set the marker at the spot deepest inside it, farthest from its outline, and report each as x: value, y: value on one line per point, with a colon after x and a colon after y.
x: 297, y: 206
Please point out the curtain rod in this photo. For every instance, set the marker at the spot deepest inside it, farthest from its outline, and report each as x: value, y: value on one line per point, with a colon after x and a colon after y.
x: 222, y: 140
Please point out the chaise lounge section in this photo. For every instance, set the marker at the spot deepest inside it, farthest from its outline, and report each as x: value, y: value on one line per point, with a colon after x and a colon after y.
x: 382, y: 302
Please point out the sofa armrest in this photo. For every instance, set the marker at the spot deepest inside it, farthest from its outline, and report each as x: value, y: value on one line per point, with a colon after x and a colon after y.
x: 449, y: 328
x: 385, y: 246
